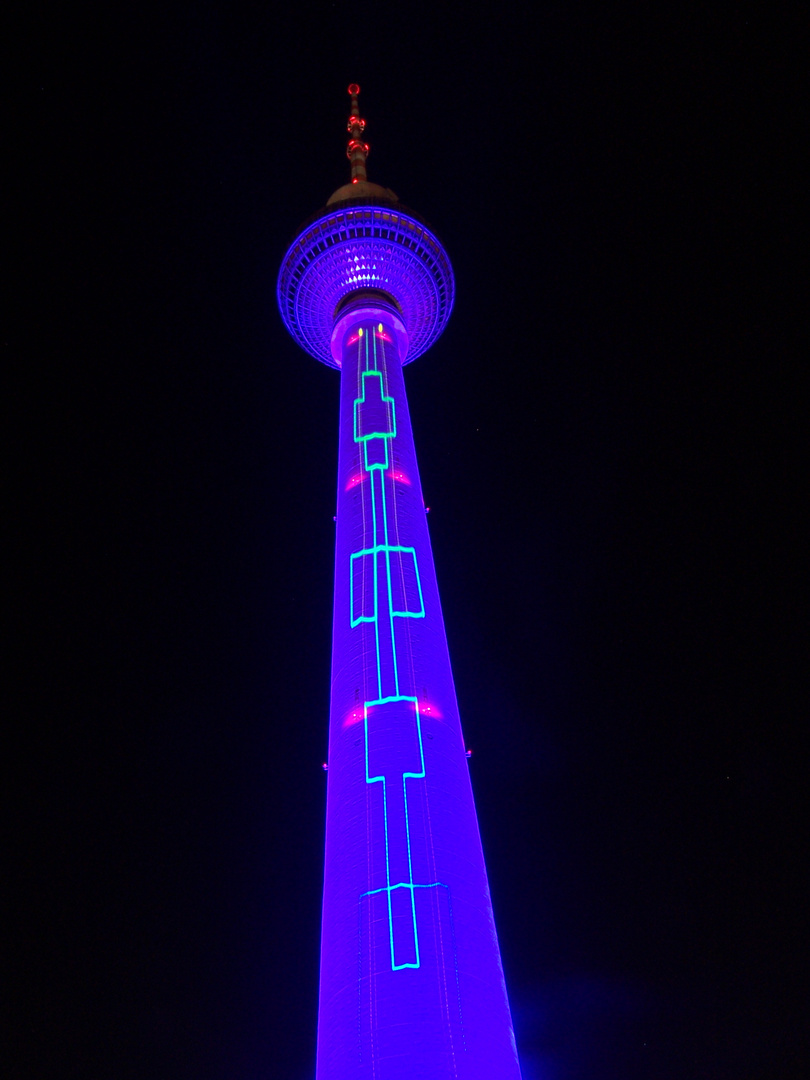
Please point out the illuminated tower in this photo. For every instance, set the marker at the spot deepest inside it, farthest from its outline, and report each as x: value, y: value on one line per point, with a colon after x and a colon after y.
x: 411, y: 983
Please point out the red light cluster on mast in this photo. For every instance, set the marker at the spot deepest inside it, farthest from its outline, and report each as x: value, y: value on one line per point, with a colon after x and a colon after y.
x: 356, y: 150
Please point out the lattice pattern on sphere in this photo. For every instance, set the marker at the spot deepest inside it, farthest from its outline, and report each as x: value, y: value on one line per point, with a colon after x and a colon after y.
x: 365, y: 246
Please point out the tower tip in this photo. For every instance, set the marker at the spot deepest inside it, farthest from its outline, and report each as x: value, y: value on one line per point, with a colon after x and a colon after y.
x: 354, y: 89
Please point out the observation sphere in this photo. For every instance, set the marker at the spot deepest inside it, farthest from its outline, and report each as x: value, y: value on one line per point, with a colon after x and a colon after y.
x: 364, y: 239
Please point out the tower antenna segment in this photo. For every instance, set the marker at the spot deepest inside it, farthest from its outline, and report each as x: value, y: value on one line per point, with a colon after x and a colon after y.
x: 356, y: 150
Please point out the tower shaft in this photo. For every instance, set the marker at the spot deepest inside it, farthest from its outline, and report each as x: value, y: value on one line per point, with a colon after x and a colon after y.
x: 411, y: 980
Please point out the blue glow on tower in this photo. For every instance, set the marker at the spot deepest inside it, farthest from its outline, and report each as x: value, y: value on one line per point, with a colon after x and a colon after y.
x: 411, y: 983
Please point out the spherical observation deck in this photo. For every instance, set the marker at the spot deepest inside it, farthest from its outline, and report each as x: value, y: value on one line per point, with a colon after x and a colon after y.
x: 371, y: 242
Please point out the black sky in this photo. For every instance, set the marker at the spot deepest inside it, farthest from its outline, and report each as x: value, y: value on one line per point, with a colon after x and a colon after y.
x: 609, y: 438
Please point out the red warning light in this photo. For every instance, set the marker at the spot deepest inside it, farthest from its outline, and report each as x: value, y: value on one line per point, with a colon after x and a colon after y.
x: 354, y: 89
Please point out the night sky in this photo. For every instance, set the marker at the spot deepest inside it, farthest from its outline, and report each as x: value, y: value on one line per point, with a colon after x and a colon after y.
x: 609, y: 442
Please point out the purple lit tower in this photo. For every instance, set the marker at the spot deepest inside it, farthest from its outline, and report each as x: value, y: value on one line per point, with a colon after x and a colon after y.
x: 411, y: 980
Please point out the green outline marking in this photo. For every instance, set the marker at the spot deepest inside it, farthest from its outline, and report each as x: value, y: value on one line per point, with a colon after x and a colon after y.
x: 389, y: 888
x: 381, y: 546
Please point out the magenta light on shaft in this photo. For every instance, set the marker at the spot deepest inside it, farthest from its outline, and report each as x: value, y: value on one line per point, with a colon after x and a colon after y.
x: 411, y: 983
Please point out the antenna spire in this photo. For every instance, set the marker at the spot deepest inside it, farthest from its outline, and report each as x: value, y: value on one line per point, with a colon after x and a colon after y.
x: 356, y: 150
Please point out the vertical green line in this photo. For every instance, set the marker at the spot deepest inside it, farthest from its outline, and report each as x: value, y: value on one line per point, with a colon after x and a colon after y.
x: 388, y: 583
x: 388, y: 874
x: 410, y: 866
x: 384, y: 365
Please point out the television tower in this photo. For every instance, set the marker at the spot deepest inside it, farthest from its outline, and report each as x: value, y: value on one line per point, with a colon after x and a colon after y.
x: 411, y: 983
